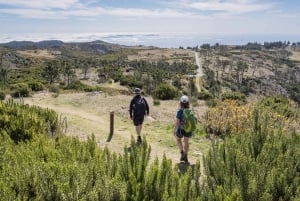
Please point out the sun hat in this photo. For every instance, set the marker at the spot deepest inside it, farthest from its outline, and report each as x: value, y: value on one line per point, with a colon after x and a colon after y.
x: 137, y: 91
x: 184, y: 99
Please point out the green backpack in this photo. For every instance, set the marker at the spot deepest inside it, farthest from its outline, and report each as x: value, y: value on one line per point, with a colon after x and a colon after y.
x: 189, y: 120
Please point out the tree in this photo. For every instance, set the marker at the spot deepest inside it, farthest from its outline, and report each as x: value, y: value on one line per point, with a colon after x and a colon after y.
x: 68, y: 71
x: 84, y: 66
x: 3, y: 72
x: 3, y: 75
x: 51, y: 71
x: 241, y: 67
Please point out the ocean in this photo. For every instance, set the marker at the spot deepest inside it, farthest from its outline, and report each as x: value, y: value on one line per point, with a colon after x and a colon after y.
x: 163, y: 40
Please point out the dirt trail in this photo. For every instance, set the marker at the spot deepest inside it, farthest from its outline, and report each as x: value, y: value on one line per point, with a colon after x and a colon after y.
x: 89, y: 113
x: 199, y: 74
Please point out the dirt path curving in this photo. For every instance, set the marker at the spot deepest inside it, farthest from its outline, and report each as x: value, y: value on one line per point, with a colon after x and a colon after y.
x: 89, y: 113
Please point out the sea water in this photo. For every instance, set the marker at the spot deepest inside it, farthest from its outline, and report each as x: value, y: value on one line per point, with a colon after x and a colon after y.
x: 163, y: 40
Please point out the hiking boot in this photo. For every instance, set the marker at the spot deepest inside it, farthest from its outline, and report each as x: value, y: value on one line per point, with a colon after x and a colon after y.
x: 185, y: 158
x: 139, y: 140
x: 182, y: 156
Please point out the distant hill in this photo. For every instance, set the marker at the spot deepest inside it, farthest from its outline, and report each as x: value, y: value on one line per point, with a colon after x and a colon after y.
x: 94, y: 47
x: 25, y: 45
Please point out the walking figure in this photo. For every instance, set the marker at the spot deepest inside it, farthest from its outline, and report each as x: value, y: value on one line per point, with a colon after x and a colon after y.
x: 185, y: 125
x: 137, y: 110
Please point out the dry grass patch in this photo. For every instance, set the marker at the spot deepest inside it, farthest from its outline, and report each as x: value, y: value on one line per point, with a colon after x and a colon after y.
x: 162, y: 54
x: 38, y: 53
x: 295, y: 56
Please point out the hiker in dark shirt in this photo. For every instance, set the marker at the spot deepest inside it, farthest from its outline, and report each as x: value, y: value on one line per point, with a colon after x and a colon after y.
x: 137, y: 110
x: 180, y: 133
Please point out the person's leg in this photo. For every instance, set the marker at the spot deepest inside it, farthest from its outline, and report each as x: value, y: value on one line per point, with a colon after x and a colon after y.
x: 179, y: 144
x: 178, y: 137
x: 138, y: 129
x: 186, y: 148
x: 186, y: 144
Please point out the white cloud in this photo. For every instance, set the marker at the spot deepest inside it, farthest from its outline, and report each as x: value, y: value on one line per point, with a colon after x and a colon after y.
x: 210, y: 16
x: 32, y: 13
x: 44, y: 4
x: 226, y: 6
x: 51, y: 12
x: 61, y: 9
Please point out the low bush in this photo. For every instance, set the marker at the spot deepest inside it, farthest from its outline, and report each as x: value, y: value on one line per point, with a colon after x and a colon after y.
x: 26, y: 122
x: 54, y: 89
x: 156, y: 102
x: 20, y: 90
x: 2, y: 95
x: 205, y: 95
x: 36, y: 86
x: 234, y: 96
x: 165, y: 92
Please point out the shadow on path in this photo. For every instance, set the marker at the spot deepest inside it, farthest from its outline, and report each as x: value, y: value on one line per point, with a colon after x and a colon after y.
x: 183, y: 167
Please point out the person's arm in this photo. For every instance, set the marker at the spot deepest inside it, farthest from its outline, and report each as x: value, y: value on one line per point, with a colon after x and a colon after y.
x: 131, y: 108
x: 178, y: 121
x: 147, y: 107
x: 177, y: 124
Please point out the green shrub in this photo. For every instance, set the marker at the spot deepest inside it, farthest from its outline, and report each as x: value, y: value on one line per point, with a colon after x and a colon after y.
x: 165, y: 92
x: 77, y: 85
x: 257, y: 165
x: 22, y: 122
x: 54, y: 89
x: 205, y: 95
x: 20, y: 90
x: 2, y: 95
x: 278, y: 104
x: 194, y: 101
x: 212, y: 102
x: 156, y: 102
x: 234, y: 96
x: 130, y: 81
x: 36, y: 86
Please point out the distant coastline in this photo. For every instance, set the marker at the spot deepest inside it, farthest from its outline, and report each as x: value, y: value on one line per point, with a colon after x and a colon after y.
x: 163, y: 40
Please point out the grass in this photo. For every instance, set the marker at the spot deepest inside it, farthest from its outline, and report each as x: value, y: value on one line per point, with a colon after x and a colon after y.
x: 295, y: 56
x: 87, y: 115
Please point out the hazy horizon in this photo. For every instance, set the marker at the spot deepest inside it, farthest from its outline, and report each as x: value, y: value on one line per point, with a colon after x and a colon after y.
x: 166, y: 40
x: 218, y: 19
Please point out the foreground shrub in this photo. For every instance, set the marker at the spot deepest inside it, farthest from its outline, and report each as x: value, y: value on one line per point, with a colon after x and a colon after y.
x: 231, y: 117
x: 259, y: 165
x: 2, y: 95
x: 68, y: 169
x: 22, y: 122
x: 228, y: 117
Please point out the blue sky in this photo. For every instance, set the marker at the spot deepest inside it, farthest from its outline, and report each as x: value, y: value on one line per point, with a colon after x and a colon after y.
x: 202, y: 17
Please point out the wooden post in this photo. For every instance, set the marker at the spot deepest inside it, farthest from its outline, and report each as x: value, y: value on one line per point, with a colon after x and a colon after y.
x: 111, y: 123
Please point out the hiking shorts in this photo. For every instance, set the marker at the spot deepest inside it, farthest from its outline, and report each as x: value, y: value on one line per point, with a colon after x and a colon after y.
x: 138, y: 120
x: 181, y: 133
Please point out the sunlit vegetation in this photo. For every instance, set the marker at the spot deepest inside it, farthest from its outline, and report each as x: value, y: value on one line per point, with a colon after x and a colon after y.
x: 258, y: 161
x: 254, y: 151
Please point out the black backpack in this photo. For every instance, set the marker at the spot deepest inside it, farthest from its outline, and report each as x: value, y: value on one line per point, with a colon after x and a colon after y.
x: 139, y: 107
